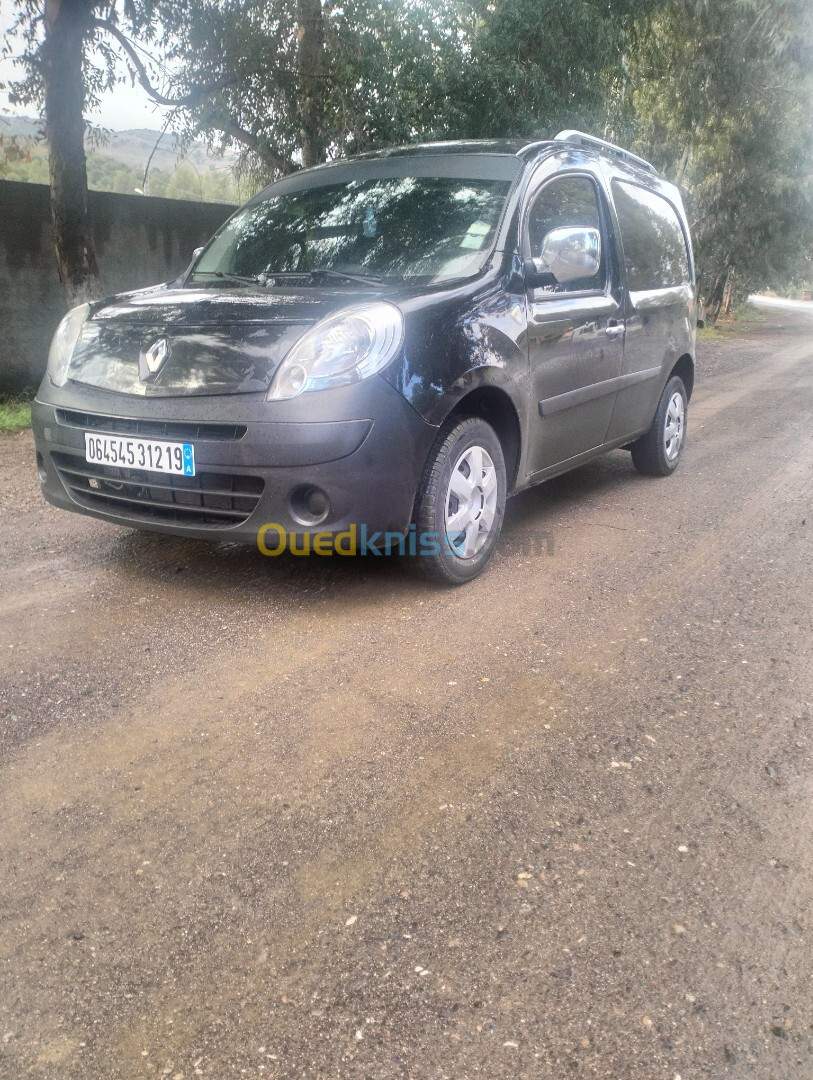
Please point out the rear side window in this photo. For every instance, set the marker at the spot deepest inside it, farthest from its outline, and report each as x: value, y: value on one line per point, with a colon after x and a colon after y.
x: 655, y: 250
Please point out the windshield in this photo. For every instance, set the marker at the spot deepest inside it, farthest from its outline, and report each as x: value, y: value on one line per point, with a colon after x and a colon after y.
x: 408, y: 228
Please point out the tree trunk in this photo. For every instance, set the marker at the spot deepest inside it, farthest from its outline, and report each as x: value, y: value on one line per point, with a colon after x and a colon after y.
x: 311, y: 37
x: 683, y: 165
x: 66, y: 27
x: 728, y: 295
x: 716, y: 297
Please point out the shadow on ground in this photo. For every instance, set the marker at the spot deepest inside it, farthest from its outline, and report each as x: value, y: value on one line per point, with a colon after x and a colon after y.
x: 529, y: 530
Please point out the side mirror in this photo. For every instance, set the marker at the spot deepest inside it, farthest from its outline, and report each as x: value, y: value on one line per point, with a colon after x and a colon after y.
x: 195, y: 253
x: 569, y: 254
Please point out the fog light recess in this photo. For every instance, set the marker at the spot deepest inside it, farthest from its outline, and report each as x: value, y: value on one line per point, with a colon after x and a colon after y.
x: 309, y: 505
x: 41, y: 467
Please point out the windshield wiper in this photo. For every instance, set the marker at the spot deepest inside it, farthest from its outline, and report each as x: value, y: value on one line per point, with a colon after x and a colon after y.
x: 242, y: 278
x: 364, y: 279
x: 245, y: 278
x: 267, y: 279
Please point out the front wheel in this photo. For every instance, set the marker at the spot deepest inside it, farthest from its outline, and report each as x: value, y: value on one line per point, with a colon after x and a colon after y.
x: 657, y: 453
x: 460, y: 503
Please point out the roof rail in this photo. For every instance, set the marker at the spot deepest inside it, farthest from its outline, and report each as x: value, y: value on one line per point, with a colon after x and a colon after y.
x: 578, y: 138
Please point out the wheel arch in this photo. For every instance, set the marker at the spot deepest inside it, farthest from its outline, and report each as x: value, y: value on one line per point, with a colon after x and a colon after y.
x: 496, y: 407
x: 684, y: 368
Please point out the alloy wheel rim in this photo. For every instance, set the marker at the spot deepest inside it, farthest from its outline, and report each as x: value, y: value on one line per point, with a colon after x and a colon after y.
x: 675, y: 426
x: 471, y: 502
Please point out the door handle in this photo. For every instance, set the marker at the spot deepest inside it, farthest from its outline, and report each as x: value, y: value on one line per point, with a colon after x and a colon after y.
x: 614, y: 329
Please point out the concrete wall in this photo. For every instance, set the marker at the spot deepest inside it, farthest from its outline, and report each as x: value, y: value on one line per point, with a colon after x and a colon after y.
x: 139, y: 241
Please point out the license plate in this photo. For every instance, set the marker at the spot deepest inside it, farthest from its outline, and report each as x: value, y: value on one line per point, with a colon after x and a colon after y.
x: 152, y: 455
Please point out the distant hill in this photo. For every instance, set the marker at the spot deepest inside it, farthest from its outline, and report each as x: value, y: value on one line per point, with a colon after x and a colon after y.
x: 131, y: 148
x: 119, y: 163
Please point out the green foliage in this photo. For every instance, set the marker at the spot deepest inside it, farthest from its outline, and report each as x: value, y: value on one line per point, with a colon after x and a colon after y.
x: 106, y: 173
x: 400, y: 70
x: 30, y: 167
x: 534, y: 66
x: 14, y: 153
x: 720, y: 99
x: 716, y: 92
x: 103, y: 69
x: 184, y: 184
x: 15, y: 415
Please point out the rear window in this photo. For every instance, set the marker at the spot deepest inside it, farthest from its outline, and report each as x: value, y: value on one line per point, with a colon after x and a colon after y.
x: 655, y: 251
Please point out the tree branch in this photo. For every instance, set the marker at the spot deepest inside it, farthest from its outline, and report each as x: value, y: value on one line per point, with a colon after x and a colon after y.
x: 254, y: 143
x: 228, y: 126
x: 141, y: 71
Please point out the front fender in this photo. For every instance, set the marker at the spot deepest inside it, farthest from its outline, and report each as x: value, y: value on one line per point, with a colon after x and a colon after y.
x: 462, y: 343
x: 475, y: 378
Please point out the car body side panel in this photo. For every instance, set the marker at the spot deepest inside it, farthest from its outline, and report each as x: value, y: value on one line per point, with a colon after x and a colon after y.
x: 659, y: 332
x: 661, y: 324
x: 574, y: 369
x: 477, y: 339
x: 574, y: 361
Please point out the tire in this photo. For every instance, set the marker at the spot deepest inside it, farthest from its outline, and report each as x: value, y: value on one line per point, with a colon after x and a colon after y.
x: 466, y: 535
x: 657, y: 453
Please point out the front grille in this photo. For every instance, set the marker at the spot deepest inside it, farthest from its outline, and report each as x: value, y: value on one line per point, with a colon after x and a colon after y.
x: 215, y: 500
x: 161, y: 429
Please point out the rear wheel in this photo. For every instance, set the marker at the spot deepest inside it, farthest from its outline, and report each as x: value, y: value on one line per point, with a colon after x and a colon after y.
x: 460, y: 503
x: 657, y: 453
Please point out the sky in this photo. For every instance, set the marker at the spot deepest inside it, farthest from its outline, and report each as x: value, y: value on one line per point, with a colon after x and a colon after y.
x: 127, y: 107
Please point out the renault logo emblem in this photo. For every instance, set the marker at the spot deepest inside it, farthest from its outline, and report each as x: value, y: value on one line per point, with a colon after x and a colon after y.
x: 155, y: 357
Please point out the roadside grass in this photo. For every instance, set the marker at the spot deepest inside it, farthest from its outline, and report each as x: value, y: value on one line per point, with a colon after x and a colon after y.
x: 15, y: 415
x: 740, y: 321
x: 713, y: 333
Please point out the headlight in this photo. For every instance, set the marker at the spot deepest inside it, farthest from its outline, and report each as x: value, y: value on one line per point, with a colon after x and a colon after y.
x: 344, y: 348
x: 65, y: 339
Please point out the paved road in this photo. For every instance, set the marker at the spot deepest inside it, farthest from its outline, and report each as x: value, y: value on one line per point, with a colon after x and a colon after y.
x: 313, y: 819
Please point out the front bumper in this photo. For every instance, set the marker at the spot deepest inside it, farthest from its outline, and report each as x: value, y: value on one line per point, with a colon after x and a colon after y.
x: 363, y: 446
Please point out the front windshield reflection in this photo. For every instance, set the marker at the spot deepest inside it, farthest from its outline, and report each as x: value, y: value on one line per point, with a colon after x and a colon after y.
x: 409, y: 228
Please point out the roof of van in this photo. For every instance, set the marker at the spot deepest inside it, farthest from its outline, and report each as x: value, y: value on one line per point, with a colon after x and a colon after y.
x: 506, y: 147
x: 497, y: 159
x: 526, y: 149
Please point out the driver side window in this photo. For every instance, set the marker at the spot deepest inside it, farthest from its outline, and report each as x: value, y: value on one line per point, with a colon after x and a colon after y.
x: 567, y: 202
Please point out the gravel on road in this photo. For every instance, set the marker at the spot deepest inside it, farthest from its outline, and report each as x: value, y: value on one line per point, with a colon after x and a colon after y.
x: 315, y: 819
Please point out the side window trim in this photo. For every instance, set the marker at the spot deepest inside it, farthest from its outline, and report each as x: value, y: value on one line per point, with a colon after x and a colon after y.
x: 606, y: 231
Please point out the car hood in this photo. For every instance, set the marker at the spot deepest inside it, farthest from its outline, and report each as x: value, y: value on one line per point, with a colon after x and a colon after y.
x: 198, y: 341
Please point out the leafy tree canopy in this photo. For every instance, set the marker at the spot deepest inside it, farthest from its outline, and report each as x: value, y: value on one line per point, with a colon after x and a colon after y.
x: 716, y: 92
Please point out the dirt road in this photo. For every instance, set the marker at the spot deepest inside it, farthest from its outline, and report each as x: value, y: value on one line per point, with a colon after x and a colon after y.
x: 314, y: 819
